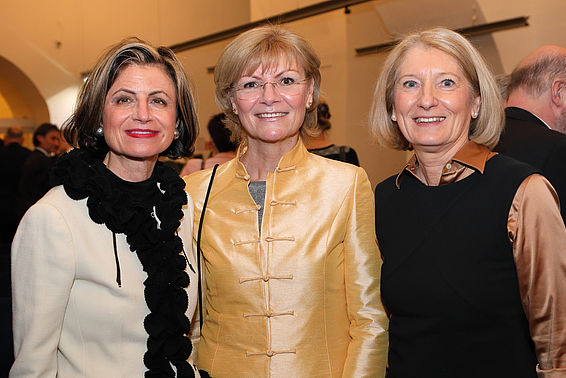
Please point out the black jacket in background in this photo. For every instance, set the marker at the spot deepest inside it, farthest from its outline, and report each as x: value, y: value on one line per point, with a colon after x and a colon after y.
x: 528, y: 139
x: 34, y: 182
x: 12, y: 158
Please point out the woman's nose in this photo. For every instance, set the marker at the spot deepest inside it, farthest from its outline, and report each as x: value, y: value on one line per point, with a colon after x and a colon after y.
x: 427, y: 97
x: 269, y: 93
x: 142, y: 111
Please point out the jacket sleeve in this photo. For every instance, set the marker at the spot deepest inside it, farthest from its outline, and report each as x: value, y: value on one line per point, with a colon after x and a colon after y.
x: 367, y: 352
x: 43, y: 270
x: 539, y: 248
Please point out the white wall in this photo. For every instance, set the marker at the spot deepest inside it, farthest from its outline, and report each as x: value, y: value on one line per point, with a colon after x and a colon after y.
x: 54, y: 41
x: 31, y: 30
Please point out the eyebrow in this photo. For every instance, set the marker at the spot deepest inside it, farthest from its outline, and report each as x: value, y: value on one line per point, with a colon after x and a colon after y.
x: 159, y: 91
x: 436, y: 74
x: 283, y: 72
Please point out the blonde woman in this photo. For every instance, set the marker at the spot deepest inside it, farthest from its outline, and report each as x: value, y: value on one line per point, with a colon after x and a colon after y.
x: 473, y: 243
x: 290, y: 262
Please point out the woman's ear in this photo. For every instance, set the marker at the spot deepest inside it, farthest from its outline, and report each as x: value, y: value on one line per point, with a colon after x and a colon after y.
x: 476, y: 107
x: 310, y: 94
x: 234, y: 106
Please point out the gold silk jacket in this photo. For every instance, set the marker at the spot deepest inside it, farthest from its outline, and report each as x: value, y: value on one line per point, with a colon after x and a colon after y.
x: 300, y: 298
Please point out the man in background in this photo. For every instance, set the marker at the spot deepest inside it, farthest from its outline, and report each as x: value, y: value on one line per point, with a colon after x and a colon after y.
x: 34, y: 182
x: 12, y: 158
x: 535, y: 116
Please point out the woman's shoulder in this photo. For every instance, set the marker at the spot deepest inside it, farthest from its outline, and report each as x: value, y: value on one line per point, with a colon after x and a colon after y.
x: 57, y: 197
x: 197, y: 183
x: 505, y: 167
x: 197, y: 179
x: 56, y: 208
x: 336, y: 173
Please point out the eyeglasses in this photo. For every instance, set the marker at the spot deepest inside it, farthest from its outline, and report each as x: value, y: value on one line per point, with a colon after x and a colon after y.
x: 251, y: 90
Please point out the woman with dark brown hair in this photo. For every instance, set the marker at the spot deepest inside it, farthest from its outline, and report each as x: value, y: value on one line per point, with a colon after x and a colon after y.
x: 103, y: 277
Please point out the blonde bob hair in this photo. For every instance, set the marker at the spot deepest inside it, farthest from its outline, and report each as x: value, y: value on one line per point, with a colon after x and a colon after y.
x: 266, y: 46
x: 484, y: 130
x: 80, y: 128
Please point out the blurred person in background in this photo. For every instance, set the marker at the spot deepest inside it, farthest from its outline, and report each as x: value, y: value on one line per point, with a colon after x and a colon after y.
x: 319, y: 145
x: 224, y: 146
x: 535, y: 116
x: 34, y: 180
x: 12, y: 158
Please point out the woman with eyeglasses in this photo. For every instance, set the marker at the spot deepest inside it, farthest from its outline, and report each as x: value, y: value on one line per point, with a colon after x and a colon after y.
x: 289, y: 257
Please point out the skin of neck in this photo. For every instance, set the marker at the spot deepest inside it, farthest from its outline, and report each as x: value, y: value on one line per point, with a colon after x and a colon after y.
x: 432, y: 162
x: 520, y: 98
x: 128, y: 169
x: 261, y: 158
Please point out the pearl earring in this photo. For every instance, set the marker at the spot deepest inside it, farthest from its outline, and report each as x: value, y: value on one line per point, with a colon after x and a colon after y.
x: 176, y: 133
x: 100, y: 131
x: 475, y: 115
x: 393, y: 117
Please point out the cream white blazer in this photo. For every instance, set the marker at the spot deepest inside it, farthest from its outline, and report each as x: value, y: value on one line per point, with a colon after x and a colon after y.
x: 70, y: 317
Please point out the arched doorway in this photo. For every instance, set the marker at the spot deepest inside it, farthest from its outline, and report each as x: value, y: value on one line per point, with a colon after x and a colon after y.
x: 21, y: 104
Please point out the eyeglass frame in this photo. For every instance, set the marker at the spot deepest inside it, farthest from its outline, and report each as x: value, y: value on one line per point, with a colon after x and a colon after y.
x: 276, y: 86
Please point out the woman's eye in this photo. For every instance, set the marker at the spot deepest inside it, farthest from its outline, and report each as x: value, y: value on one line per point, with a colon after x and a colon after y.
x: 159, y: 101
x: 251, y: 84
x: 286, y: 81
x: 410, y: 84
x: 123, y: 100
x: 447, y: 83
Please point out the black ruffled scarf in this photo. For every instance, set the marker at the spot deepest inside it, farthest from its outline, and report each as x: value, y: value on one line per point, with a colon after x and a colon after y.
x: 149, y: 214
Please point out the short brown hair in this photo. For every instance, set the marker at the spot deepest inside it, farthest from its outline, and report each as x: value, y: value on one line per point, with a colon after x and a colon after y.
x: 80, y: 128
x: 264, y: 46
x: 485, y: 129
x: 43, y: 130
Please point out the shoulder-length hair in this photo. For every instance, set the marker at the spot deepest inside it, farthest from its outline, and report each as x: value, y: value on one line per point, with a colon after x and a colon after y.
x: 484, y: 130
x: 80, y: 128
x: 265, y: 46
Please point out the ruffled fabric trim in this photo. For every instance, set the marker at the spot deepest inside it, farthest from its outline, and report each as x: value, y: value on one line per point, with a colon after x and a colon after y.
x: 149, y: 214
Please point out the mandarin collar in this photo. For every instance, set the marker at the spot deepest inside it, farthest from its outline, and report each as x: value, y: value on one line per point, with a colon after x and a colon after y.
x: 471, y: 155
x: 287, y: 162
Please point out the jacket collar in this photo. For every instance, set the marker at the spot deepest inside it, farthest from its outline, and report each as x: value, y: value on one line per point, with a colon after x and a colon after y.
x: 470, y: 156
x: 288, y: 162
x: 524, y: 115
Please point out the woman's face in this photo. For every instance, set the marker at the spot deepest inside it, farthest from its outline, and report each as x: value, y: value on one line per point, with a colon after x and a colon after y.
x: 139, y: 113
x: 272, y: 114
x: 433, y: 101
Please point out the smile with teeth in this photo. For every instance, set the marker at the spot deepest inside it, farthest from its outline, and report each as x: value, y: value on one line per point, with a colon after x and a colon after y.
x: 141, y: 133
x: 429, y: 119
x: 270, y: 115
